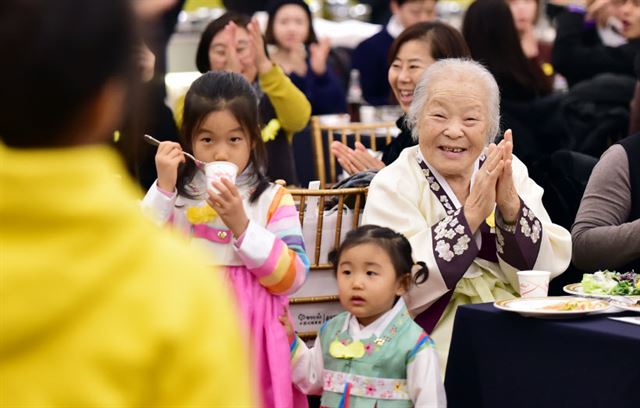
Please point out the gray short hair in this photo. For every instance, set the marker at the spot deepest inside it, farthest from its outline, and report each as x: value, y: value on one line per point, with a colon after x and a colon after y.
x: 454, y: 68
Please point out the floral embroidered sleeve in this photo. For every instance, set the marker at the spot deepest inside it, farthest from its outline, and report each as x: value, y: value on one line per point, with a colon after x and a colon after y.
x: 307, y: 366
x: 424, y: 381
x: 275, y: 253
x: 519, y: 244
x: 453, y: 247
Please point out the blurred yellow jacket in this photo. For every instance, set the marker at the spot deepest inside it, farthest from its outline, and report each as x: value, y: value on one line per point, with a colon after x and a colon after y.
x: 97, y: 306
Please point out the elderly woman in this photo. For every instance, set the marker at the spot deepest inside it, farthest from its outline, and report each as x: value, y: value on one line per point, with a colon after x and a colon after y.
x: 467, y: 206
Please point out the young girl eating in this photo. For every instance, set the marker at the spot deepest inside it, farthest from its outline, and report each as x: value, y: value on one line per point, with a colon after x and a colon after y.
x: 373, y: 354
x: 250, y: 227
x: 233, y: 42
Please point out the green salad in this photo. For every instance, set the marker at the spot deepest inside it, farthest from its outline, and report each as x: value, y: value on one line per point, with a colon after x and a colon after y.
x: 611, y: 283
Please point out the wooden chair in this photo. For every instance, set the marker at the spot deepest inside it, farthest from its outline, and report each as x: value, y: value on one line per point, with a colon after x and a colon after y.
x: 322, y: 135
x: 317, y: 300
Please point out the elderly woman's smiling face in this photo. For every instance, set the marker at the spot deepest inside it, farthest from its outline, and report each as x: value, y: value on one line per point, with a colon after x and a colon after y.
x: 453, y: 126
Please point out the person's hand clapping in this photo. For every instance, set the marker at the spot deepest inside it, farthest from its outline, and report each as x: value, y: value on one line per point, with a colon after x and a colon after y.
x: 233, y: 63
x: 168, y: 158
x: 482, y: 197
x: 259, y: 55
x: 507, y: 198
x: 599, y: 10
x: 298, y: 61
x: 318, y: 56
x: 228, y: 204
x: 354, y: 161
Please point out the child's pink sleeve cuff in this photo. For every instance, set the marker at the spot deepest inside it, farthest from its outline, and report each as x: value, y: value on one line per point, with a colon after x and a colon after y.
x: 238, y: 240
x: 169, y: 194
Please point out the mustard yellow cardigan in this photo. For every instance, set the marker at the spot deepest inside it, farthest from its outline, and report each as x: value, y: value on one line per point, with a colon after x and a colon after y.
x: 291, y: 106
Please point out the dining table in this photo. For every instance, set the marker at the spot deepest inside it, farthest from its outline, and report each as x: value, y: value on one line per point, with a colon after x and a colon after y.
x: 503, y: 359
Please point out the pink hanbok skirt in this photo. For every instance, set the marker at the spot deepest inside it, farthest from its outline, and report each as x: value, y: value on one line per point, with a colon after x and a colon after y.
x: 270, y: 355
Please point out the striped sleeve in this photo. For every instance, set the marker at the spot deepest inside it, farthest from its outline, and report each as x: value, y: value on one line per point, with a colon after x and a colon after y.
x: 297, y: 349
x: 275, y: 254
x: 424, y: 341
x: 424, y: 380
x: 307, y: 367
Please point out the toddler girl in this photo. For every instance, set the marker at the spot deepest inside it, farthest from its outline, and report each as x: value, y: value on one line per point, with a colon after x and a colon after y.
x: 373, y: 354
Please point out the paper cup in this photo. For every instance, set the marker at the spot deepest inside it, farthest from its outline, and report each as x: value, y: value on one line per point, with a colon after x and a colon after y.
x: 367, y: 114
x: 218, y: 170
x: 534, y: 283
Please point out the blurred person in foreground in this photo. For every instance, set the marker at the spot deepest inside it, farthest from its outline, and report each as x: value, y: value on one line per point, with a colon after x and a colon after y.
x: 466, y: 205
x: 99, y: 307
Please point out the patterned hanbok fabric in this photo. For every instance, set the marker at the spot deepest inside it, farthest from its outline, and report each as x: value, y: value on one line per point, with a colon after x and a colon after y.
x: 262, y: 266
x: 388, y: 363
x: 411, y: 197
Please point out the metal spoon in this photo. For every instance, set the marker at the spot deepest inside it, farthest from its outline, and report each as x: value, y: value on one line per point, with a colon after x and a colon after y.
x: 155, y: 142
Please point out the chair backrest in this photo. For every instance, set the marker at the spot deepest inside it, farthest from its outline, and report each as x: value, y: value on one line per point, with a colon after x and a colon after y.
x: 373, y: 135
x: 326, y: 215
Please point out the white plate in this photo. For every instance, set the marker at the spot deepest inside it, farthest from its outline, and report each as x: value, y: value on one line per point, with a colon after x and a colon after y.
x: 578, y: 290
x: 537, y: 307
x: 625, y: 306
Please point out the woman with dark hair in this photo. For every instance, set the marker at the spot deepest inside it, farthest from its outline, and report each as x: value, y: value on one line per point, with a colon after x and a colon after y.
x: 303, y: 57
x: 410, y: 55
x: 97, y: 309
x: 234, y: 43
x: 493, y: 39
x: 526, y: 101
x: 525, y: 15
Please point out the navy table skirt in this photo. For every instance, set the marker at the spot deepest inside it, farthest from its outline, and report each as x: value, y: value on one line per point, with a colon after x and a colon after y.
x: 501, y: 359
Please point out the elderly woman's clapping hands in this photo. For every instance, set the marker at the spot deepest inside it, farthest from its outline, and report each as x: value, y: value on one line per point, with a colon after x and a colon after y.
x: 507, y: 198
x: 493, y: 186
x: 482, y: 197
